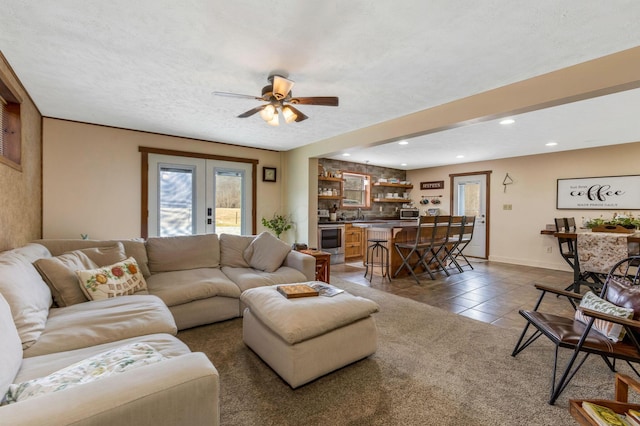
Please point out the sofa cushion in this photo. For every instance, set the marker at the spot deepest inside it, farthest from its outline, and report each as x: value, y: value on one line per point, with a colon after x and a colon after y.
x: 232, y: 249
x: 246, y: 278
x: 102, y: 321
x: 25, y: 292
x: 183, y: 252
x: 109, y: 363
x: 39, y: 366
x: 178, y: 287
x: 119, y: 279
x: 134, y: 247
x: 103, y: 256
x: 266, y: 252
x: 11, y: 353
x: 59, y: 274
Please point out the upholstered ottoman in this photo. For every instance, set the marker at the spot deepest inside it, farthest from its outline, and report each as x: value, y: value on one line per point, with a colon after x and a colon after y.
x: 307, y: 337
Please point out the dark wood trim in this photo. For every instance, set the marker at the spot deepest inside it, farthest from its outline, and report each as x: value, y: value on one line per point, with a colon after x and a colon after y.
x: 161, y: 151
x: 487, y: 203
x: 144, y: 195
x: 144, y: 181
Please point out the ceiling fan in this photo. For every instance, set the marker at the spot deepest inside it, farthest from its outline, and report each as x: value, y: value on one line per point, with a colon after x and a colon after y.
x: 280, y: 100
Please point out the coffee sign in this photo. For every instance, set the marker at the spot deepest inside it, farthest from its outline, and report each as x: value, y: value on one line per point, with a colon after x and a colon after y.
x: 599, y: 193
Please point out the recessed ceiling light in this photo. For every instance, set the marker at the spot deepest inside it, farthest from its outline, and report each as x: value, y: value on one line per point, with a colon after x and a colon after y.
x: 552, y: 143
x: 460, y: 156
x: 346, y: 154
x: 507, y: 121
x: 403, y: 164
x: 403, y: 143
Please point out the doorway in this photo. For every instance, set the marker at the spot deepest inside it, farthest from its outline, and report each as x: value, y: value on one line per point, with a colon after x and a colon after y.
x: 188, y: 195
x: 470, y: 197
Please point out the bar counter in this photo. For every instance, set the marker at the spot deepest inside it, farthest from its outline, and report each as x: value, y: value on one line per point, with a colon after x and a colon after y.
x: 393, y: 231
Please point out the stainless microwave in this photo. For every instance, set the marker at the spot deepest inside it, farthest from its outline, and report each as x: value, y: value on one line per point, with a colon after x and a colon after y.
x: 409, y: 213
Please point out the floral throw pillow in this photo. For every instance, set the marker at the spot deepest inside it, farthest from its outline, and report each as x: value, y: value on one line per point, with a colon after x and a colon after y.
x: 97, y: 367
x: 613, y: 332
x: 119, y: 279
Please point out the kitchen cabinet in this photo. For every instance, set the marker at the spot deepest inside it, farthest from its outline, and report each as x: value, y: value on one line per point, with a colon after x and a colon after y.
x: 353, y: 241
x: 382, y: 190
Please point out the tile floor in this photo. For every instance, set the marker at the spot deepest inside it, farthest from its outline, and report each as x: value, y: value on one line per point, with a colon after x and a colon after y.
x: 493, y: 292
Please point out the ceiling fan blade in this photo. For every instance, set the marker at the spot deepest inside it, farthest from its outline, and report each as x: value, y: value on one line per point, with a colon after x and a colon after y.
x: 236, y: 95
x: 252, y: 111
x: 281, y: 87
x: 299, y: 115
x: 316, y: 100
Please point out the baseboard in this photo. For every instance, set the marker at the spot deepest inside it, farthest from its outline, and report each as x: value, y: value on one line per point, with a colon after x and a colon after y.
x: 528, y: 262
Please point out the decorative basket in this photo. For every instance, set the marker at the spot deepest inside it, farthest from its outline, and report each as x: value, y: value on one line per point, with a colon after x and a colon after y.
x: 613, y: 228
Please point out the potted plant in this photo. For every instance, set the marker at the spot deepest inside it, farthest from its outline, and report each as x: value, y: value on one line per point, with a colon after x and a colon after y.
x: 278, y: 224
x: 617, y: 222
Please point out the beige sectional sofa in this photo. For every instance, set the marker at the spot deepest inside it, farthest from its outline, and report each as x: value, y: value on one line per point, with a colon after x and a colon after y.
x: 49, y: 327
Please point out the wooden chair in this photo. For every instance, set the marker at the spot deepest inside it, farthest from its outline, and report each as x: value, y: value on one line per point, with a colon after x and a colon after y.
x: 431, y: 233
x: 582, y: 339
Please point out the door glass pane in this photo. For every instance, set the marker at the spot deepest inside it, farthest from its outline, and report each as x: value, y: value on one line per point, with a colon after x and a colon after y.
x: 175, y: 199
x: 468, y: 199
x: 228, y: 201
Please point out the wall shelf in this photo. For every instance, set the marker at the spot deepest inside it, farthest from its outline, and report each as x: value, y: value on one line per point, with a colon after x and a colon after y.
x: 329, y: 197
x: 330, y: 179
x: 391, y: 200
x: 393, y: 185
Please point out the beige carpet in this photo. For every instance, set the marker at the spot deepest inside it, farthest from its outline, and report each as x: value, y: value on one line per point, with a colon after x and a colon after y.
x: 431, y: 368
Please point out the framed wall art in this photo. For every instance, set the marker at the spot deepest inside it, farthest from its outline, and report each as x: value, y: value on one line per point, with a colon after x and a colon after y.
x: 268, y: 174
x: 599, y: 193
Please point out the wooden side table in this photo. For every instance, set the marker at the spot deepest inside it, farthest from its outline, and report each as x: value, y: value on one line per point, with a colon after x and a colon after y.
x: 323, y: 262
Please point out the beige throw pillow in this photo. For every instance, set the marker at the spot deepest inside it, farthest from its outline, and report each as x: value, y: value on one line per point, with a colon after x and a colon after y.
x: 232, y: 249
x: 266, y: 252
x: 59, y: 274
x: 119, y: 279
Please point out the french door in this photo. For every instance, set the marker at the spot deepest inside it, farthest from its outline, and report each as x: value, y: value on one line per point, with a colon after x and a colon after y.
x: 188, y: 195
x: 470, y: 198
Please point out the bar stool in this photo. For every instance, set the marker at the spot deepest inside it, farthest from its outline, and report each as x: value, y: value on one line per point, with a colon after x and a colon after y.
x: 377, y: 249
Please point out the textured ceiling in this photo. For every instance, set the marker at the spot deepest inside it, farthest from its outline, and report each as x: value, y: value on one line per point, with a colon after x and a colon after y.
x: 153, y: 65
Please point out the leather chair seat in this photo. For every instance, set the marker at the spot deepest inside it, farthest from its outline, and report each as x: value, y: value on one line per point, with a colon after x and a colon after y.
x: 567, y: 333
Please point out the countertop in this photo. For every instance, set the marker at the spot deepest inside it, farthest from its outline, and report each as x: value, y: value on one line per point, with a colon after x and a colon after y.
x: 378, y: 223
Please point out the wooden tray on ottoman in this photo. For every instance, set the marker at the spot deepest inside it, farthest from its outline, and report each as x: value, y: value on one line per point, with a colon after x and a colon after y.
x: 619, y: 405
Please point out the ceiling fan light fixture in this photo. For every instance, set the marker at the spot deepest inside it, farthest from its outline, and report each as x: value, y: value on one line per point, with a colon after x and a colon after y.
x: 275, y: 121
x: 268, y: 112
x: 281, y: 87
x: 288, y: 114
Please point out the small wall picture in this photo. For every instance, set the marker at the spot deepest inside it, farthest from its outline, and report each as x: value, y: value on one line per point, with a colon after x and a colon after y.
x: 268, y: 174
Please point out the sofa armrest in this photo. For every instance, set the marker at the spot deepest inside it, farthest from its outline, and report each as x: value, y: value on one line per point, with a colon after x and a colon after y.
x: 303, y: 263
x: 184, y: 390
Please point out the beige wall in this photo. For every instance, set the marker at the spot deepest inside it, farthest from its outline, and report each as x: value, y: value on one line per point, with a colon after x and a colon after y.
x: 21, y: 193
x: 601, y: 76
x: 515, y: 234
x: 92, y: 178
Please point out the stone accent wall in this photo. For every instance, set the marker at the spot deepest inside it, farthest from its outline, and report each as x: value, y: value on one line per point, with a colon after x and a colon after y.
x: 377, y: 210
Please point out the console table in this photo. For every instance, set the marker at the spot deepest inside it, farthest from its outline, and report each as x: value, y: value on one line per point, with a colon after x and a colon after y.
x: 323, y: 262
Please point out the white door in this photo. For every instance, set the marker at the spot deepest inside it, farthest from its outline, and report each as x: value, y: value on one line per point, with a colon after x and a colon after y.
x: 470, y: 199
x: 196, y: 196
